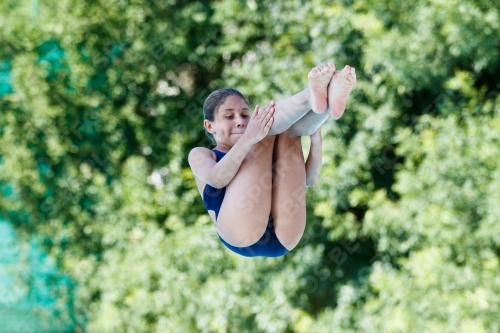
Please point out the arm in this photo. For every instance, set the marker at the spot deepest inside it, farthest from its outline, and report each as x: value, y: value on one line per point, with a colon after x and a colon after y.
x: 220, y: 174
x: 313, y: 163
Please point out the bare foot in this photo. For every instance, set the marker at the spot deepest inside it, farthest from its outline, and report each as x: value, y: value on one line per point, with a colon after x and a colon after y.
x: 339, y: 89
x: 319, y: 77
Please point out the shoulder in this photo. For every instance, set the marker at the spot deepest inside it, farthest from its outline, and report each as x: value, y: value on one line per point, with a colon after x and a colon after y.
x: 200, y: 154
x: 202, y: 161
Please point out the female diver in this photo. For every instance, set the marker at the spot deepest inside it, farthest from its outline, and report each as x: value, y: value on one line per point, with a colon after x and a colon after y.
x: 253, y: 183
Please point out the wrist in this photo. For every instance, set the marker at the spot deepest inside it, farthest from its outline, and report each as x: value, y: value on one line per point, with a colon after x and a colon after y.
x: 247, y: 140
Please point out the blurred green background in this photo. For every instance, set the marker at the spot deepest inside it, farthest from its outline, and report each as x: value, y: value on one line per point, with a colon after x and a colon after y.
x: 103, y: 229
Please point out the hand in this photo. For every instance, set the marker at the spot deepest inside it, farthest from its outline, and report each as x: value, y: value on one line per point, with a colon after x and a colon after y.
x: 316, y: 137
x: 260, y: 123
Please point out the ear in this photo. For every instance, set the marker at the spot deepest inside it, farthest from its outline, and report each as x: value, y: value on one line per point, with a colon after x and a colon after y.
x: 208, y: 126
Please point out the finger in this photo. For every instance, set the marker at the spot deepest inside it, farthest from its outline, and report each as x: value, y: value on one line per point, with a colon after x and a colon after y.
x: 269, y: 106
x: 271, y: 112
x: 266, y: 115
x: 255, y: 112
x: 269, y: 123
x: 262, y: 113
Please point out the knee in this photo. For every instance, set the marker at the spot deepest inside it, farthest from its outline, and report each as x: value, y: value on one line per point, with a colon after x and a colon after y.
x: 289, y: 242
x: 290, y: 237
x: 241, y: 237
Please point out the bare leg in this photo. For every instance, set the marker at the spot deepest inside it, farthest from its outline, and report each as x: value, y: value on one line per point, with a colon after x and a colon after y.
x: 289, y: 190
x: 338, y: 90
x: 319, y: 78
x: 244, y: 214
x: 290, y: 110
x: 250, y: 196
x: 308, y: 124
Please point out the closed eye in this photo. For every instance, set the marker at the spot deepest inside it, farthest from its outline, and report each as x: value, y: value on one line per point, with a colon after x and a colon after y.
x: 229, y: 116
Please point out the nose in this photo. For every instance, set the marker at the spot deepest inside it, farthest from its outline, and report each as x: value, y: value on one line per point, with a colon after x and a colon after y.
x: 241, y: 122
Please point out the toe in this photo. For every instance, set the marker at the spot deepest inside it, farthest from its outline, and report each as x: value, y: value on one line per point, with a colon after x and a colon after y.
x: 353, y: 72
x: 327, y: 69
x: 314, y: 72
x: 344, y: 72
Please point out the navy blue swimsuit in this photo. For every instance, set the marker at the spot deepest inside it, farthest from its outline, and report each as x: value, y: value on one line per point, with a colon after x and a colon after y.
x: 267, y: 246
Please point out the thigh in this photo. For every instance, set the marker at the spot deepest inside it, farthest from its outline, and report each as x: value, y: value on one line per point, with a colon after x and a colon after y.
x: 244, y: 212
x: 289, y: 190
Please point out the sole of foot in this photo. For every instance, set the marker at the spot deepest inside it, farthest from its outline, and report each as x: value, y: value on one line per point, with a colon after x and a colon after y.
x: 319, y: 77
x: 340, y: 86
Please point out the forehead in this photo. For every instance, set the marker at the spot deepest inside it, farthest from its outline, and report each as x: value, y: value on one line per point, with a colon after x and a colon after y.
x: 234, y: 102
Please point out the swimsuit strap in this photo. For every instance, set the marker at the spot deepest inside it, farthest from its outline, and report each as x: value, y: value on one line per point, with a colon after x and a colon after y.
x: 219, y: 154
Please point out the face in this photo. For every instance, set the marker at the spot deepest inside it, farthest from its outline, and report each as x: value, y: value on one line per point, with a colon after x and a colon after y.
x: 230, y: 121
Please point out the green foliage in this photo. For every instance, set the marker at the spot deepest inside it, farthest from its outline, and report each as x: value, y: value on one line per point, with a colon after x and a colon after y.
x: 101, y: 102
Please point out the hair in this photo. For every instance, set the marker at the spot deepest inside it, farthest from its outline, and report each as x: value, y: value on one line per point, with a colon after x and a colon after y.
x: 214, y: 101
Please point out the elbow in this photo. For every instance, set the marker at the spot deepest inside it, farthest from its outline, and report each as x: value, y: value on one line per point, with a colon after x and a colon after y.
x: 216, y: 183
